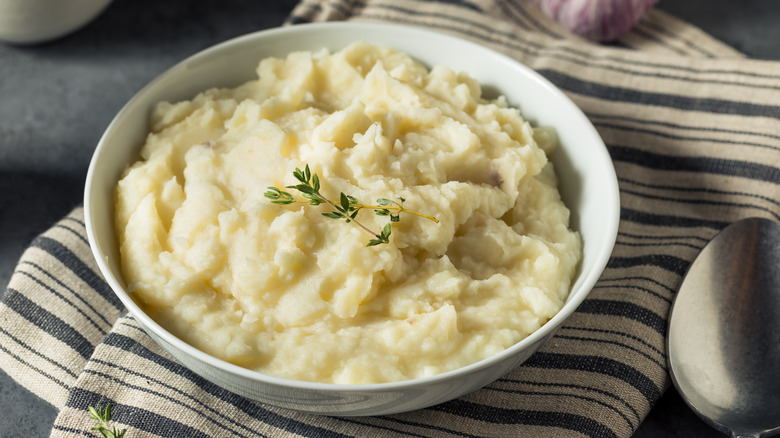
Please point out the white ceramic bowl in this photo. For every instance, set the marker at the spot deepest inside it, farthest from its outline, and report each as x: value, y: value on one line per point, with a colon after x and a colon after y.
x: 588, y: 185
x: 38, y: 21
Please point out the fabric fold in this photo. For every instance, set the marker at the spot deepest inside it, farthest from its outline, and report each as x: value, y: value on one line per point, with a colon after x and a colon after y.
x: 56, y: 309
x: 691, y: 126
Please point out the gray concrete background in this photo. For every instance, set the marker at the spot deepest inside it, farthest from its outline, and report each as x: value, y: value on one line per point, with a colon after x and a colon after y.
x: 57, y: 98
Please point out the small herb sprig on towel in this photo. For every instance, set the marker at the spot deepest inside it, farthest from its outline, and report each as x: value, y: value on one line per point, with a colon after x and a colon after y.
x: 103, y: 418
x: 347, y: 207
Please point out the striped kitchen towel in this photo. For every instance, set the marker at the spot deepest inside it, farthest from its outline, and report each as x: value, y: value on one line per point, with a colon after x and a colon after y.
x: 692, y: 127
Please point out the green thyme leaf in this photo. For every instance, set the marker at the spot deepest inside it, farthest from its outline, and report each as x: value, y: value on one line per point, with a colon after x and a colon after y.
x: 344, y: 202
x: 278, y: 196
x: 303, y: 188
x: 103, y: 418
x: 298, y: 174
x: 315, y: 182
x: 383, y: 237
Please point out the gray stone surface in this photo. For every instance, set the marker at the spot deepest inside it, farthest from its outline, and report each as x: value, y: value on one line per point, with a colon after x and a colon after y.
x: 750, y: 26
x: 57, y: 98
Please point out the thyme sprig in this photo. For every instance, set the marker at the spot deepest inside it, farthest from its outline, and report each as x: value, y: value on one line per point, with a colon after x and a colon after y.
x: 346, y: 208
x: 103, y: 418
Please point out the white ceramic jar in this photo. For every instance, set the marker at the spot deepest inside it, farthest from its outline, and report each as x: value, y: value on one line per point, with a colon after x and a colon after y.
x: 38, y: 21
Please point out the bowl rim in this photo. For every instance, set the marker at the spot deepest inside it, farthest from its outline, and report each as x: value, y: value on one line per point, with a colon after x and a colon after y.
x: 574, y: 299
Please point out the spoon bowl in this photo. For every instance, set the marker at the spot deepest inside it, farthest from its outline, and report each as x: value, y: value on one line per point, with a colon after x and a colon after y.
x: 724, y: 331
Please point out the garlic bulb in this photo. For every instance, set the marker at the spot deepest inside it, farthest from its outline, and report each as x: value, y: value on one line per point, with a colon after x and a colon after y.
x: 596, y: 20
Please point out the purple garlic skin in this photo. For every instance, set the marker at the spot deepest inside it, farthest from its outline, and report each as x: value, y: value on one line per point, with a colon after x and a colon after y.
x: 596, y: 20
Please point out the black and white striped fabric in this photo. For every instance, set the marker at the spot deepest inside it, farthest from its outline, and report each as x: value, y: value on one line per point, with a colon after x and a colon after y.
x: 692, y: 127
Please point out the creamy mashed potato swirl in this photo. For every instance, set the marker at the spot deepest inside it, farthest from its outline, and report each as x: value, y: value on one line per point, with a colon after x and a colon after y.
x: 288, y: 292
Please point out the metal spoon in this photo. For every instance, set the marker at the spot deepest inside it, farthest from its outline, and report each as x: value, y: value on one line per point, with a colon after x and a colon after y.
x: 724, y: 331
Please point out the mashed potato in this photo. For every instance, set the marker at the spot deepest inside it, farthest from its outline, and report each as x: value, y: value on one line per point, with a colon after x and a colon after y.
x: 288, y: 292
